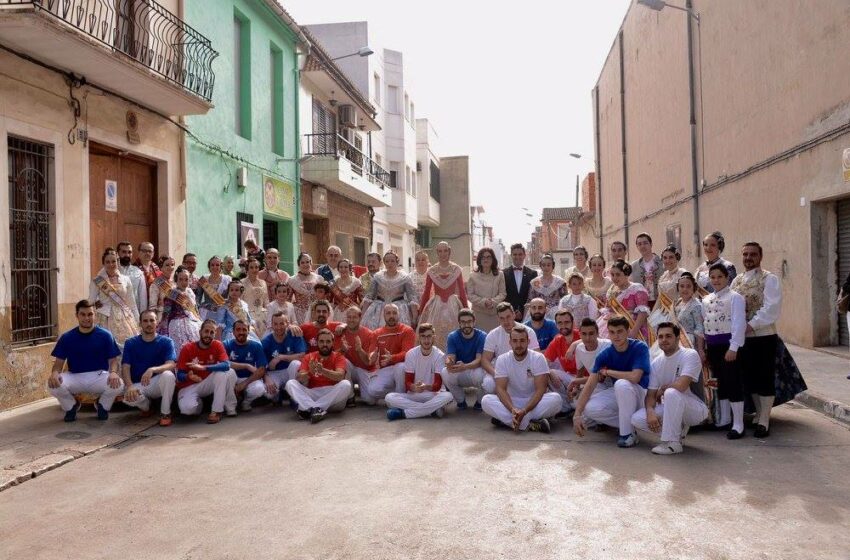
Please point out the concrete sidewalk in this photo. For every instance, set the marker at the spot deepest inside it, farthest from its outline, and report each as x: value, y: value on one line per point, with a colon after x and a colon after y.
x: 826, y: 376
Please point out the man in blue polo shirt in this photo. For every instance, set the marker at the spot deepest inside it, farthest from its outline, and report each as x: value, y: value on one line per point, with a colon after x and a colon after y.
x: 147, y: 368
x: 92, y: 357
x: 248, y: 360
x: 283, y: 350
x: 545, y: 329
x: 626, y: 362
x: 464, y: 348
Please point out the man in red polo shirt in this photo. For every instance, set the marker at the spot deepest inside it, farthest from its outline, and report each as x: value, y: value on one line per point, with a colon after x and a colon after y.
x: 202, y: 370
x: 320, y: 314
x: 357, y: 344
x: 563, y: 370
x: 392, y: 342
x: 321, y: 384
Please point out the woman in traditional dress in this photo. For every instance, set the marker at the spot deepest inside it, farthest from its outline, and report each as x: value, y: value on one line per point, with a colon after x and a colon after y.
x: 282, y: 303
x: 444, y: 295
x: 597, y: 287
x: 234, y: 309
x: 712, y: 248
x: 346, y: 291
x: 581, y: 266
x: 422, y: 263
x: 629, y: 297
x: 547, y: 286
x: 301, y: 285
x: 391, y: 285
x: 180, y: 315
x: 215, y: 282
x: 162, y: 285
x: 256, y: 294
x: 689, y: 316
x: 579, y: 303
x: 668, y: 282
x: 114, y: 298
x: 227, y: 265
x: 485, y: 289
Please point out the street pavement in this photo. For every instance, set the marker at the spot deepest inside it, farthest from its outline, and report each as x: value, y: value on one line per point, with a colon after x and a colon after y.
x: 266, y: 485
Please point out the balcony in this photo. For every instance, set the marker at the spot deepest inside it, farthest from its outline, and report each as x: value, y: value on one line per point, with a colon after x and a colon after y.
x: 135, y: 48
x: 429, y: 210
x: 337, y: 164
x: 403, y: 210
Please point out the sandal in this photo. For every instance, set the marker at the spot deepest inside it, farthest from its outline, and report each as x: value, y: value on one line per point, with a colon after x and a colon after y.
x: 214, y: 418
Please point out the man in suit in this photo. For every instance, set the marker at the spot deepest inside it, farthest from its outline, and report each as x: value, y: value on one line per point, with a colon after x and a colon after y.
x: 518, y: 280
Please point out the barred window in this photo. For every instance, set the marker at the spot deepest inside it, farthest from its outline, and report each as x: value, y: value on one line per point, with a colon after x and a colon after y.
x: 31, y: 217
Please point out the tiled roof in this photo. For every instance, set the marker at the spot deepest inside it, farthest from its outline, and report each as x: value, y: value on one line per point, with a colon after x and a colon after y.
x: 569, y: 214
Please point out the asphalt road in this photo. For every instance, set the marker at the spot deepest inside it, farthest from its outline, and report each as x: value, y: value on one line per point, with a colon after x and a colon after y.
x: 356, y: 486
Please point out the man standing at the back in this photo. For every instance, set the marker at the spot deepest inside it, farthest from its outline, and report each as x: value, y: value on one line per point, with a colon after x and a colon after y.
x: 518, y: 280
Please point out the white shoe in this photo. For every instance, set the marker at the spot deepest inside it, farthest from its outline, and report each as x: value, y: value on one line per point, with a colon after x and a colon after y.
x: 230, y: 413
x: 685, y: 431
x: 667, y: 448
x: 246, y: 405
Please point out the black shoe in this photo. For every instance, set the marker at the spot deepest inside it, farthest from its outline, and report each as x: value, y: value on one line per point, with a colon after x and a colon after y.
x: 350, y: 403
x: 723, y: 428
x: 316, y: 415
x: 761, y: 431
x: 304, y: 414
x: 540, y: 426
x: 734, y: 434
x: 71, y: 415
x: 498, y: 423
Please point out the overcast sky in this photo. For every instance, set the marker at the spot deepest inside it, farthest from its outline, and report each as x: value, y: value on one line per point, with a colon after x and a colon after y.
x: 508, y: 84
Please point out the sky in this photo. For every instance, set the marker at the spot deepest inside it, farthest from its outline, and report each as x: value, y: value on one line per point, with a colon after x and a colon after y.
x: 508, y: 84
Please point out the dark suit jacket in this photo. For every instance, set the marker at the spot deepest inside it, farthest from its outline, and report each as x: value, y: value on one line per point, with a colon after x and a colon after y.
x: 517, y: 296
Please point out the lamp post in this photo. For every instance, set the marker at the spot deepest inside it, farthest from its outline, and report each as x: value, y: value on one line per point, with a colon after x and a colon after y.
x: 362, y: 51
x: 576, y: 156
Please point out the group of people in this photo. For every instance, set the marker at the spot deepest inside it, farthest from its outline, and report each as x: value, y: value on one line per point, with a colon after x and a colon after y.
x: 640, y: 346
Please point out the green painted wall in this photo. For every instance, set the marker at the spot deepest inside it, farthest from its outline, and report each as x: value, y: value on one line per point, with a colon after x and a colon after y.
x: 213, y: 197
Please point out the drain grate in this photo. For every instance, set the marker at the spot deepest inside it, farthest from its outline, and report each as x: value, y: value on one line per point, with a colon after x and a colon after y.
x: 129, y: 441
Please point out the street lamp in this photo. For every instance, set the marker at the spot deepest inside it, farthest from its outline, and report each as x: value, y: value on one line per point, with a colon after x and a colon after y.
x: 362, y: 51
x: 577, y: 156
x: 658, y: 5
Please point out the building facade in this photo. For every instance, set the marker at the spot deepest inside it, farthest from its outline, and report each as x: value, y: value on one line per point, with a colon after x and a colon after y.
x: 242, y: 157
x: 559, y: 235
x: 90, y: 156
x: 755, y: 151
x: 452, y: 203
x: 428, y: 181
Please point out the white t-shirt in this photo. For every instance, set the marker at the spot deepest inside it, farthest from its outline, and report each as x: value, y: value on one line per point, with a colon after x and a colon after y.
x: 424, y: 367
x: 521, y: 374
x: 498, y: 340
x: 667, y: 369
x: 585, y: 359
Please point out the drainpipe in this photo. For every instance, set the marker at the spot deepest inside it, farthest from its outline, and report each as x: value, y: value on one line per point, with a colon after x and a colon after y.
x: 692, y: 100
x: 598, y: 177
x: 623, y: 137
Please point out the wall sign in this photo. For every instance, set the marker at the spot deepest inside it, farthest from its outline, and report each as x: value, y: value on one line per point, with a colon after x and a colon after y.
x: 278, y: 198
x: 111, y: 195
x: 248, y: 230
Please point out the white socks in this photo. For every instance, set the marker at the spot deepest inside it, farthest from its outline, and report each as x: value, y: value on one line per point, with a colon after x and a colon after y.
x: 766, y: 405
x: 725, y: 413
x: 738, y: 416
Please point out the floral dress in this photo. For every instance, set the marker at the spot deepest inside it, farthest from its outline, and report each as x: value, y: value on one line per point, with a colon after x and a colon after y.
x: 206, y: 306
x: 634, y: 299
x: 231, y: 312
x: 344, y: 297
x: 418, y: 283
x: 181, y: 322
x: 668, y: 283
x: 257, y: 297
x: 444, y: 296
x: 386, y: 289
x: 302, y: 293
x: 581, y: 306
x: 117, y: 312
x: 551, y: 293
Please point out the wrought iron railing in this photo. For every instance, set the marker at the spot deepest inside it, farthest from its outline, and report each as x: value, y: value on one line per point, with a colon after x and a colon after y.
x: 144, y: 31
x: 333, y: 144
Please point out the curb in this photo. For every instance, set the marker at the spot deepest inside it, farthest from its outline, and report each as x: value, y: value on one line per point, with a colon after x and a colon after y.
x: 833, y: 409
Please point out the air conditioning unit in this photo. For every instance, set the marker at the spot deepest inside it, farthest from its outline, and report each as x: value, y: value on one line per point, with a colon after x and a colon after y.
x: 418, y: 166
x: 347, y: 115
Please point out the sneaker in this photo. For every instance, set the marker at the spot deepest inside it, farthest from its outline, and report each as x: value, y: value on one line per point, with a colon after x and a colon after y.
x: 761, y: 431
x: 214, y: 418
x: 231, y: 413
x: 316, y: 415
x: 462, y: 405
x: 684, y: 433
x: 627, y: 441
x: 395, y: 414
x: 477, y: 406
x: 303, y: 414
x: 165, y: 420
x: 498, y: 423
x: 102, y: 413
x: 71, y: 415
x: 540, y: 426
x: 246, y: 406
x: 439, y: 413
x: 667, y: 448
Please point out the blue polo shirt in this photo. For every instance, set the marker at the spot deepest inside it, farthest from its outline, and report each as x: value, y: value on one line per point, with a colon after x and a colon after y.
x: 86, y: 352
x: 636, y: 356
x: 141, y: 355
x: 290, y: 345
x: 546, y: 333
x: 465, y: 349
x: 249, y: 353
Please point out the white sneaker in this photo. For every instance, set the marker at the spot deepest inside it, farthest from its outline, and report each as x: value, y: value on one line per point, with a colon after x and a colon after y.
x: 230, y: 413
x: 685, y: 431
x: 667, y: 448
x: 246, y: 405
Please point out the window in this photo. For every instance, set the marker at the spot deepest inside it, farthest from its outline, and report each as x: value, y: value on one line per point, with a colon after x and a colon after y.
x: 377, y: 87
x: 674, y: 235
x: 406, y: 107
x: 276, y: 74
x: 413, y: 179
x: 33, y: 275
x: 242, y: 74
x: 423, y: 237
x: 324, y: 130
x: 412, y: 115
x: 435, y: 182
x: 395, y: 171
x: 408, y: 185
x: 341, y: 240
x: 392, y: 99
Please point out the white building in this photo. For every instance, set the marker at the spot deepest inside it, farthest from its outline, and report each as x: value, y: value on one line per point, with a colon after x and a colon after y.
x: 428, y: 184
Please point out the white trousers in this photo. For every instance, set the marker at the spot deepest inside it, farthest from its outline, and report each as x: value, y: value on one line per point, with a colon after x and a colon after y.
x: 677, y: 411
x: 616, y: 405
x: 566, y: 378
x: 375, y: 385
x: 417, y: 405
x: 456, y: 382
x: 332, y: 397
x: 549, y: 405
x: 93, y: 382
x: 257, y: 389
x: 488, y: 384
x: 219, y: 384
x: 160, y: 387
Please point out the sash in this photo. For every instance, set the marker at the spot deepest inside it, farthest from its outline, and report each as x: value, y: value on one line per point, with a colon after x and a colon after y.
x: 340, y: 296
x: 234, y: 316
x: 211, y: 292
x: 109, y: 291
x: 617, y: 307
x: 163, y: 285
x: 184, y: 302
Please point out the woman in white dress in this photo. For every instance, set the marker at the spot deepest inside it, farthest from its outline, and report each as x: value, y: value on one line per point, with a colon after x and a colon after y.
x: 256, y: 295
x: 391, y: 285
x: 485, y: 289
x: 302, y: 284
x: 444, y: 295
x: 548, y: 286
x: 346, y: 291
x: 114, y: 298
x: 421, y: 263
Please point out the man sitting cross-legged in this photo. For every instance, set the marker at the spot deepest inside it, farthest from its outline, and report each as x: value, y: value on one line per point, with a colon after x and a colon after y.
x: 147, y: 368
x: 248, y: 360
x: 392, y: 341
x: 464, y: 348
x: 522, y: 380
x: 321, y: 385
x: 203, y: 370
x: 284, y: 351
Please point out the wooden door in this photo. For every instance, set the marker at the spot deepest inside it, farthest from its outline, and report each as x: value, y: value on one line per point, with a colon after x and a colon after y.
x: 135, y: 217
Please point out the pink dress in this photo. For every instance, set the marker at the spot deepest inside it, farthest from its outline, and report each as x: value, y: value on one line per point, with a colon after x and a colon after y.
x: 449, y: 297
x: 634, y: 299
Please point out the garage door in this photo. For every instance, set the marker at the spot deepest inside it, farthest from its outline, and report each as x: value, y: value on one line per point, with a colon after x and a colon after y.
x: 843, y: 259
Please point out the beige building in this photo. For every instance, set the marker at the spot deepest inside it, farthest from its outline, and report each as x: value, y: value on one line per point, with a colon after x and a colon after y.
x: 763, y: 158
x: 91, y: 160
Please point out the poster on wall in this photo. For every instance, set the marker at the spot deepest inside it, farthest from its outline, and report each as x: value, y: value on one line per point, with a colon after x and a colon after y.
x: 278, y: 198
x: 845, y: 165
x: 248, y: 230
x: 111, y: 195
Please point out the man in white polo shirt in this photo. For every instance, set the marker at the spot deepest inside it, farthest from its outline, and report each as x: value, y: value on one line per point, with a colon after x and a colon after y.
x: 522, y: 381
x: 425, y: 392
x: 498, y: 342
x: 670, y: 381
